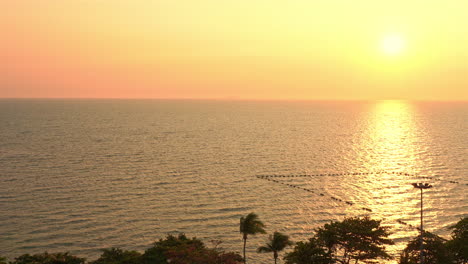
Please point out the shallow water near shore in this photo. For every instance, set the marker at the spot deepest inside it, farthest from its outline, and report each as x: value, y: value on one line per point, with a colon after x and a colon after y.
x: 81, y: 175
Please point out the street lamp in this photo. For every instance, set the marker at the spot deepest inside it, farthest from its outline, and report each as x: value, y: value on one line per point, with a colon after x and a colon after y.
x: 421, y: 186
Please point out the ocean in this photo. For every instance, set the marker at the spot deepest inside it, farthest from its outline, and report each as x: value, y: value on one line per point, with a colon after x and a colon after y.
x: 80, y: 175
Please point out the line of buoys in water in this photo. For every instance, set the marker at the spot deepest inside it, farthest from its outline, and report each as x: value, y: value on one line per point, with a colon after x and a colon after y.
x: 352, y: 174
x: 312, y: 191
x: 332, y: 197
x: 407, y: 224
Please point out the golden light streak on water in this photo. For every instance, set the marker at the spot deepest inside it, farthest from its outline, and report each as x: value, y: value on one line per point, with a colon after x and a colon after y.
x: 391, y: 151
x: 393, y: 137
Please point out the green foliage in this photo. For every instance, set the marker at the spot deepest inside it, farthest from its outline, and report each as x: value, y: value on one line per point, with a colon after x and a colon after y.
x: 48, y: 258
x: 435, y: 250
x: 310, y: 252
x: 352, y: 240
x: 276, y: 243
x: 458, y: 245
x: 359, y: 239
x: 182, y: 250
x: 173, y: 249
x: 251, y: 225
x: 157, y: 253
x: 191, y: 255
x: 118, y: 256
x: 460, y: 229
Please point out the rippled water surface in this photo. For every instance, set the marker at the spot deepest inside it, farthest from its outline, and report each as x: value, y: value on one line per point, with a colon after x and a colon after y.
x: 81, y: 175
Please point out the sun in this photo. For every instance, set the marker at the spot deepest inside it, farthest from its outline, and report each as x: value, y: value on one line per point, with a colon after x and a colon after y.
x: 392, y: 44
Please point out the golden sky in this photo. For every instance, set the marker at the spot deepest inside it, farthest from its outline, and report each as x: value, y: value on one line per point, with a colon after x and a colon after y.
x: 244, y: 49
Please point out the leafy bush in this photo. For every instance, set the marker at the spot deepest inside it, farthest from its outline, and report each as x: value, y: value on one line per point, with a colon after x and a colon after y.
x: 182, y: 250
x: 118, y: 256
x: 459, y: 243
x: 358, y: 239
x: 48, y: 258
x: 309, y: 252
x: 435, y: 250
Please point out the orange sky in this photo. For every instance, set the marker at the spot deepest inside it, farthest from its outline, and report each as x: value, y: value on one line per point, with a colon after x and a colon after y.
x: 245, y: 49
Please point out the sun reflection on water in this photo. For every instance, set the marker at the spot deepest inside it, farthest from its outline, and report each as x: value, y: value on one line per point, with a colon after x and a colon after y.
x: 389, y: 151
x: 392, y: 147
x: 392, y: 135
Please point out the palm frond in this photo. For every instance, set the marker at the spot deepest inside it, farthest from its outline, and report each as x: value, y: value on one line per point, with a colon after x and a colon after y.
x: 251, y: 225
x: 264, y: 249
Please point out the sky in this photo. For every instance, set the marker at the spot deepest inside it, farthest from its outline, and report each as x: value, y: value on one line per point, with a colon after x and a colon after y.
x: 234, y: 49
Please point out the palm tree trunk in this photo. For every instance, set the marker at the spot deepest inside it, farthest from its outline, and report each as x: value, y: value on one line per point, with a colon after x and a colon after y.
x: 275, y: 255
x: 245, y: 242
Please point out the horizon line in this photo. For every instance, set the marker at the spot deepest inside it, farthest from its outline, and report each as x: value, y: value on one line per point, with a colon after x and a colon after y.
x: 232, y: 99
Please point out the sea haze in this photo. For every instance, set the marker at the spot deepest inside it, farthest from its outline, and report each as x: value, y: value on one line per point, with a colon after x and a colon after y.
x: 82, y: 175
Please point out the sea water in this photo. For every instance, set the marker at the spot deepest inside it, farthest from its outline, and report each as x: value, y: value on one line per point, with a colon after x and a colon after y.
x: 82, y: 175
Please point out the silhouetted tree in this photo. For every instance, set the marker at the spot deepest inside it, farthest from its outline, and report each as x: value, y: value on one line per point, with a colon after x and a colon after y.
x: 182, y: 250
x: 3, y: 260
x: 276, y: 243
x: 311, y: 252
x: 458, y: 245
x: 191, y: 255
x: 359, y: 239
x: 250, y: 225
x: 434, y: 252
x: 48, y: 258
x: 118, y: 256
x: 157, y: 253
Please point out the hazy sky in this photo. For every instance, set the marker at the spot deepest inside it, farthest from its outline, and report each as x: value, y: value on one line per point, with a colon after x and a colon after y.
x: 246, y: 49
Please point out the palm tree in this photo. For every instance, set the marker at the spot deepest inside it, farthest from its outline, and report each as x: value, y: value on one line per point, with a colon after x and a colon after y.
x: 250, y: 225
x: 277, y: 243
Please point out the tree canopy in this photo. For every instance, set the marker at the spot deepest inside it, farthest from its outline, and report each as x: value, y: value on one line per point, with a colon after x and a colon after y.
x: 276, y: 243
x: 353, y: 239
x: 251, y: 225
x: 48, y: 258
x: 118, y: 256
x: 182, y: 250
x: 459, y: 243
x: 359, y: 239
x: 435, y: 251
x: 310, y: 252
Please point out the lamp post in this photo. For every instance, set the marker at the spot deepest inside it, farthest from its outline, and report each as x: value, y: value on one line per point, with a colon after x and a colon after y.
x: 421, y: 186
